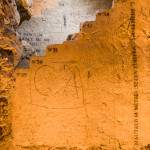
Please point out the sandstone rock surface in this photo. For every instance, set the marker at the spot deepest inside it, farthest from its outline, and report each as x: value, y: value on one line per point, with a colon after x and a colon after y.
x: 10, y: 53
x: 91, y: 92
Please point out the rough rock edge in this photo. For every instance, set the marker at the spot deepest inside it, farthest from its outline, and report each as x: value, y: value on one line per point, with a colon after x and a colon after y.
x: 10, y: 52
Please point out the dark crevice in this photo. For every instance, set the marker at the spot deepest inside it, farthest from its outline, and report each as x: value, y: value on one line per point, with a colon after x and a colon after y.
x: 24, y: 13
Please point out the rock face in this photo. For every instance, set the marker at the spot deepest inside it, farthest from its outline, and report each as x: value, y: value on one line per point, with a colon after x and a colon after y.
x: 10, y: 52
x: 9, y: 21
x: 91, y: 92
x: 23, y: 9
x: 11, y: 14
x: 53, y: 20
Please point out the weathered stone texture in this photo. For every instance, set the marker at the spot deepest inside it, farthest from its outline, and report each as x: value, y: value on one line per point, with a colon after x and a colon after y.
x: 53, y: 20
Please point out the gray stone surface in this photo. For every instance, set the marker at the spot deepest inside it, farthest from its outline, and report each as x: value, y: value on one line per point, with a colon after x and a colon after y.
x: 53, y: 21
